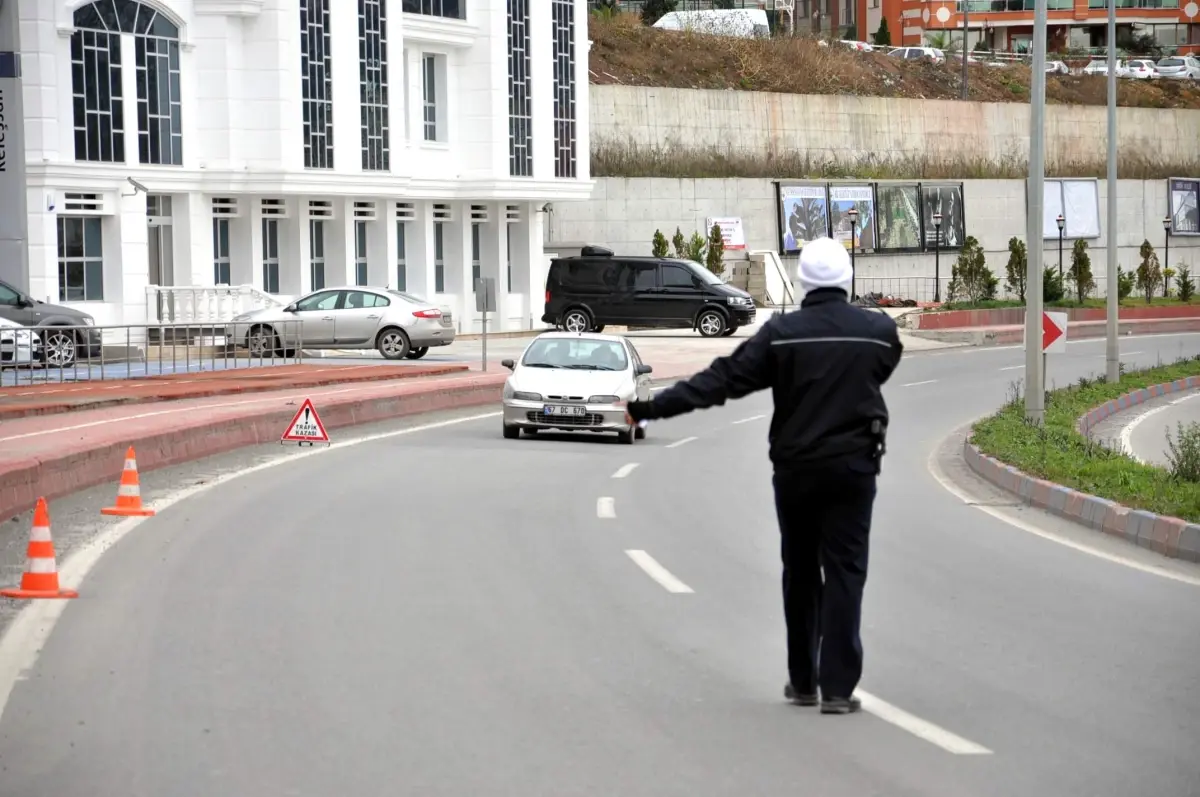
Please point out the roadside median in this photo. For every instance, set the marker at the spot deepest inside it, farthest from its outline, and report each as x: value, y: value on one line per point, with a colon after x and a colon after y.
x: 1057, y: 467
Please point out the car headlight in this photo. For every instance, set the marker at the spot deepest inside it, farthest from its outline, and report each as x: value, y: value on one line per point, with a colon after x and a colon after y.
x: 88, y: 321
x: 741, y: 301
x: 522, y: 396
x: 603, y: 399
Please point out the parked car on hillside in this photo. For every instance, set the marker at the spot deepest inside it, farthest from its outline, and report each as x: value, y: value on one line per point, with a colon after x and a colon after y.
x: 916, y: 53
x: 1141, y: 69
x: 1057, y: 68
x: 1179, y: 67
x: 1099, y: 66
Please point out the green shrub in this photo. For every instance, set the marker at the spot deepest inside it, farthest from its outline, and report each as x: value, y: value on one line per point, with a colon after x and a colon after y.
x: 1183, y: 453
x: 883, y: 36
x: 970, y: 278
x: 715, y: 259
x: 1016, y: 271
x: 679, y: 244
x: 1080, y: 274
x: 694, y: 248
x: 1149, y: 274
x: 1125, y: 283
x: 1184, y: 284
x: 658, y: 247
x: 1052, y: 285
x: 654, y: 10
x: 1168, y: 275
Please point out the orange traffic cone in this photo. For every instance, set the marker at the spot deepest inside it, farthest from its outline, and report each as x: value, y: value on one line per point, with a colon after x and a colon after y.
x: 129, y: 494
x: 41, y: 572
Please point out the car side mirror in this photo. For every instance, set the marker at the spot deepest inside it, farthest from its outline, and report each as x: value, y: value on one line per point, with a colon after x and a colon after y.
x: 291, y: 308
x: 24, y: 301
x: 642, y: 370
x: 509, y: 364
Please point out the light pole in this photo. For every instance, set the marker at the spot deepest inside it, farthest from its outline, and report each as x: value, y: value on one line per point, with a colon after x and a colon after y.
x: 1061, y: 222
x: 853, y: 214
x: 1166, y: 248
x: 937, y: 252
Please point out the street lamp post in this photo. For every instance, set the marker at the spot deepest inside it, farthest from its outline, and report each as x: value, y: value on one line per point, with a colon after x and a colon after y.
x: 937, y: 252
x: 1166, y: 247
x: 853, y: 214
x: 1061, y: 222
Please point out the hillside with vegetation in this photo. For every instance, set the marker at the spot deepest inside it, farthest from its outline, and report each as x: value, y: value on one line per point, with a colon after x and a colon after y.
x: 627, y: 52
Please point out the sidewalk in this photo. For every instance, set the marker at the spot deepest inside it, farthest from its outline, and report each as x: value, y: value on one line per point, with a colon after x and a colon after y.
x: 1014, y: 334
x: 57, y: 397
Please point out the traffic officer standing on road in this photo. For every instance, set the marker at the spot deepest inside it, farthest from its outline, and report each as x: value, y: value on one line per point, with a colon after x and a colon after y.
x: 825, y: 364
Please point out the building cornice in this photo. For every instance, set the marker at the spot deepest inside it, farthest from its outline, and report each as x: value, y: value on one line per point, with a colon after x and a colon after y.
x: 229, y: 8
x: 438, y: 30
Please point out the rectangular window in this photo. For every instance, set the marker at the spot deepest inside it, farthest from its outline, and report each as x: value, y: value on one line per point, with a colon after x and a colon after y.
x: 373, y: 85
x: 439, y: 264
x: 360, y: 253
x: 99, y: 108
x: 429, y: 96
x: 401, y: 256
x: 563, y: 29
x: 316, y: 83
x: 159, y: 101
x: 270, y: 255
x: 80, y: 259
x: 476, y: 269
x: 451, y: 9
x: 221, y: 268
x: 520, y: 101
x: 316, y: 247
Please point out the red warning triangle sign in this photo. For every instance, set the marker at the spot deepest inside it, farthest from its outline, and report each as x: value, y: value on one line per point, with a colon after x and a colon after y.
x: 306, y: 427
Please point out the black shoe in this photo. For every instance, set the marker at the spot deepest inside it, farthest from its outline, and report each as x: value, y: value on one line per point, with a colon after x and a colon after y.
x: 799, y: 698
x: 841, y: 705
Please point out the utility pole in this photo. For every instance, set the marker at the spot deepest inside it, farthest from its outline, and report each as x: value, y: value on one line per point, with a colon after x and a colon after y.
x: 1035, y: 398
x: 1112, y: 350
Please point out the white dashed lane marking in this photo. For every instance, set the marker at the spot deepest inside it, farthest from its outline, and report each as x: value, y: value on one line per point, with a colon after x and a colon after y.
x: 606, y: 508
x: 748, y: 420
x: 624, y: 470
x: 679, y: 443
x: 916, y: 384
x: 664, y: 577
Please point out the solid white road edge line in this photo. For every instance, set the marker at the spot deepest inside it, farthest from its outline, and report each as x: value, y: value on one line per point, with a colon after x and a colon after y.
x: 31, y: 628
x: 922, y: 729
x: 915, y: 384
x: 941, y: 478
x: 625, y: 470
x: 679, y: 443
x: 606, y: 508
x: 748, y: 420
x: 1127, y: 432
x: 1013, y: 368
x: 659, y: 573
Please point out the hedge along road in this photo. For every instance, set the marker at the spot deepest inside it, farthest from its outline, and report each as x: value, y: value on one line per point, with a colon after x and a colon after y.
x: 441, y: 611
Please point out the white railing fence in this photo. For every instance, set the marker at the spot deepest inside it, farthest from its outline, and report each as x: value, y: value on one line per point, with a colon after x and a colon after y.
x: 195, y: 304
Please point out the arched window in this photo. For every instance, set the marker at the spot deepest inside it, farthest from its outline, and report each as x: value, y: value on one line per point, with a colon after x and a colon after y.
x: 96, y: 78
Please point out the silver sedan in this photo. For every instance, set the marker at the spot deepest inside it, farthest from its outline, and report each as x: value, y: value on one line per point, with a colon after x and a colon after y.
x: 397, y: 324
x: 577, y: 382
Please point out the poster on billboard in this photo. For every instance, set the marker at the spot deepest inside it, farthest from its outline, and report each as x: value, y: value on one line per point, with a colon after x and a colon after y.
x: 947, y: 199
x: 1078, y: 201
x: 1184, y: 198
x: 803, y: 215
x: 899, y: 211
x: 732, y: 232
x: 862, y: 199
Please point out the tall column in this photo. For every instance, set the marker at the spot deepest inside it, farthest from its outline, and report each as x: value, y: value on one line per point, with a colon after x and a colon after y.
x: 457, y: 257
x: 255, y: 218
x: 528, y: 278
x: 43, y: 249
x: 390, y: 249
x: 493, y: 262
x: 129, y: 269
x: 419, y: 252
x: 380, y: 267
x: 14, y: 221
x: 193, y: 239
x: 339, y: 244
x: 295, y: 252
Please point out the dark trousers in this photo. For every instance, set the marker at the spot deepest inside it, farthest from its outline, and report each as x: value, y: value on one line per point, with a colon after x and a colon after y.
x: 825, y: 522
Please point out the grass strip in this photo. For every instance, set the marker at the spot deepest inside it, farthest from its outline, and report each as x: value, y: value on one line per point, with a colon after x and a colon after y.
x: 1057, y: 452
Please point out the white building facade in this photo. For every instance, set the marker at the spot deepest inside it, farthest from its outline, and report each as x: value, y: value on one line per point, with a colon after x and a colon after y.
x: 281, y: 146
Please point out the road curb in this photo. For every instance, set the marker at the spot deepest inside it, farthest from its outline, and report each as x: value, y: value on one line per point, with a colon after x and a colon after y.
x: 1169, y: 536
x: 54, y: 477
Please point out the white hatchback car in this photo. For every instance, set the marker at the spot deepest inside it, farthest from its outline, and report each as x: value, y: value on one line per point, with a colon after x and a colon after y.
x: 19, y: 346
x: 577, y: 382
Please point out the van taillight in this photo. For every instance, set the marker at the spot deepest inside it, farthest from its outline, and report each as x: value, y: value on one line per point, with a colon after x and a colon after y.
x: 547, y: 297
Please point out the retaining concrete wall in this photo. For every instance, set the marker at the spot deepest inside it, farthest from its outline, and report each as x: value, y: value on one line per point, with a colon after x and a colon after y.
x: 849, y: 128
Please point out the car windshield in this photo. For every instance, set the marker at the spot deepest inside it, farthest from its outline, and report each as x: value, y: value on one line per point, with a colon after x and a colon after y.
x: 702, y: 274
x: 581, y: 354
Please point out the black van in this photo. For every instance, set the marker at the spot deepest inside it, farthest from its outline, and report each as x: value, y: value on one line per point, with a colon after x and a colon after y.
x: 596, y: 288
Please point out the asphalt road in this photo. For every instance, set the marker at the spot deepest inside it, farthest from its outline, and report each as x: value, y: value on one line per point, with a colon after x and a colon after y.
x: 1145, y: 431
x: 443, y: 612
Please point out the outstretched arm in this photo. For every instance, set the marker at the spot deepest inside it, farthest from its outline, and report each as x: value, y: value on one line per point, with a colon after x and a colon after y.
x: 748, y: 369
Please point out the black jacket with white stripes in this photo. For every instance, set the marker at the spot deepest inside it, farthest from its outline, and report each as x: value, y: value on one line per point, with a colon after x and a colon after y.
x: 825, y: 363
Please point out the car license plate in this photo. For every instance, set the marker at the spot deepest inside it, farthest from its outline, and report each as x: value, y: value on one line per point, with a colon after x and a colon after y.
x: 564, y: 410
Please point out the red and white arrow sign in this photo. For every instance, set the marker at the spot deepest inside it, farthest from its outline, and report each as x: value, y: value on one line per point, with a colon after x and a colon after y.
x: 1054, y: 332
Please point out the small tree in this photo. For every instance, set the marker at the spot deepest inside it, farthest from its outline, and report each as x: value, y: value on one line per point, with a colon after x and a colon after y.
x: 1017, y: 270
x: 851, y: 34
x: 727, y: 5
x: 1052, y: 285
x: 658, y: 247
x: 883, y: 36
x: 654, y: 10
x: 679, y: 243
x: 970, y: 278
x: 1149, y: 274
x: 1184, y: 285
x: 1125, y: 283
x: 1080, y: 274
x: 695, y: 248
x: 715, y: 259
x: 1168, y: 276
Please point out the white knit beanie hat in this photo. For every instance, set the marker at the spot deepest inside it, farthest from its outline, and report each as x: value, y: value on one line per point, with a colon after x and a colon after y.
x: 825, y: 263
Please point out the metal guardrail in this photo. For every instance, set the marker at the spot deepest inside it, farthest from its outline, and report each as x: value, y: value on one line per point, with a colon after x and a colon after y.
x: 59, y: 354
x: 919, y: 289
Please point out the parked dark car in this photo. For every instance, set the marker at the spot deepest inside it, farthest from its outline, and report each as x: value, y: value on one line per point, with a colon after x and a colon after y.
x: 596, y: 288
x: 61, y: 346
